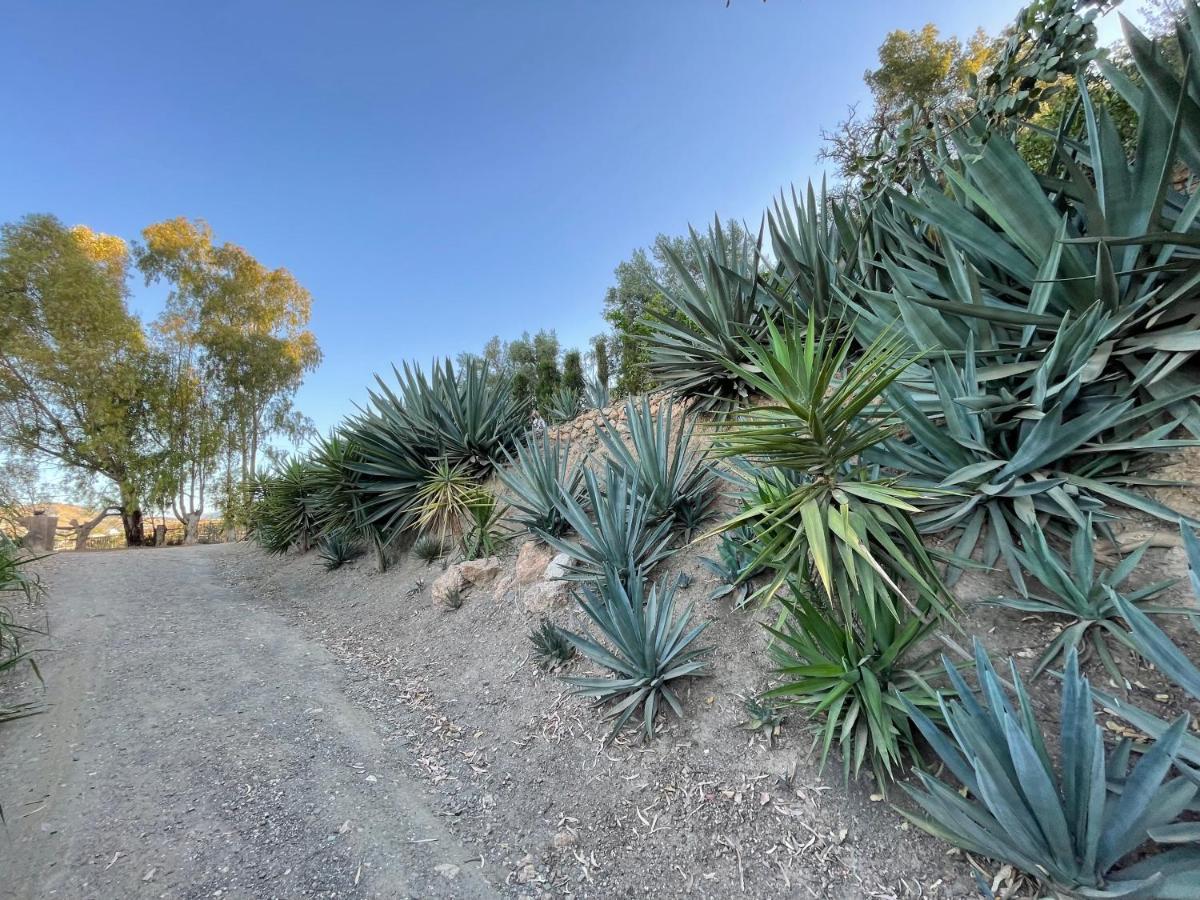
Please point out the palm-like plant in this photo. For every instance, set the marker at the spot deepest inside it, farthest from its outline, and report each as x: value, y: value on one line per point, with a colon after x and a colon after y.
x: 673, y: 476
x: 649, y: 648
x: 540, y: 474
x: 443, y: 500
x: 1075, y: 590
x: 710, y: 319
x: 618, y: 539
x: 855, y: 676
x: 483, y: 534
x: 283, y: 515
x: 832, y: 515
x: 337, y: 500
x: 1068, y: 826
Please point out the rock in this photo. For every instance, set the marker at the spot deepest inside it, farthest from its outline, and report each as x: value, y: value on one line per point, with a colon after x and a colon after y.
x: 557, y: 567
x: 447, y: 587
x: 479, y: 571
x: 532, y: 560
x: 563, y: 839
x: 545, y: 596
x: 446, y: 870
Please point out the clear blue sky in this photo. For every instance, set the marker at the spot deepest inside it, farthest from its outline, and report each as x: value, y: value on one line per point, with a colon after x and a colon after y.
x: 434, y: 172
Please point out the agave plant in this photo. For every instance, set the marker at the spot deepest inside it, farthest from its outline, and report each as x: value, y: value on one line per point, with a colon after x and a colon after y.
x: 551, y: 648
x: 673, y: 476
x: 336, y: 548
x: 1069, y: 826
x: 710, y: 319
x: 562, y: 406
x: 648, y: 649
x: 283, y: 515
x: 539, y: 475
x: 1075, y: 590
x: 854, y: 676
x: 595, y: 394
x: 734, y: 566
x: 853, y: 529
x: 470, y: 417
x: 428, y: 548
x: 337, y: 501
x: 1065, y: 310
x: 619, y: 538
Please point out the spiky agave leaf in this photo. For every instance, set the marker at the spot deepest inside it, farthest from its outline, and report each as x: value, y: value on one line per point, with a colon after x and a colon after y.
x: 619, y: 536
x: 734, y: 565
x: 551, y: 647
x: 336, y: 548
x: 1075, y: 589
x: 562, y: 406
x: 647, y: 648
x: 675, y: 478
x: 541, y: 472
x: 1062, y: 825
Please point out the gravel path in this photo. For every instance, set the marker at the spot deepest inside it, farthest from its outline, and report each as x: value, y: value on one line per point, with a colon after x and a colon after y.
x: 199, y: 745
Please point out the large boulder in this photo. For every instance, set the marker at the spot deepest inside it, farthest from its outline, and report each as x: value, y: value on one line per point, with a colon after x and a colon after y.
x: 532, y: 559
x: 449, y: 587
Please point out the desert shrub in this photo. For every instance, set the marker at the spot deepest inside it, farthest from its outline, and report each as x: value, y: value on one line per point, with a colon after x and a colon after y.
x: 709, y: 319
x: 551, y: 647
x: 671, y: 474
x: 1069, y: 825
x: 647, y: 648
x: 1077, y: 591
x: 538, y: 477
x: 618, y: 538
x: 16, y: 579
x: 283, y: 515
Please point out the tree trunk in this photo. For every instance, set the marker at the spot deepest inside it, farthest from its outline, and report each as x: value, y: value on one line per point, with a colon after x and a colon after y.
x: 132, y: 520
x: 84, y: 531
x: 191, y: 527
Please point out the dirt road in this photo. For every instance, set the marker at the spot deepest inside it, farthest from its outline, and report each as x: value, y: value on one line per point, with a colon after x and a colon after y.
x: 198, y: 745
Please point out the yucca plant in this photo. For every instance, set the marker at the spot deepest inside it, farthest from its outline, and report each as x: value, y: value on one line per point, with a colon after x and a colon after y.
x: 734, y: 566
x: 647, y: 647
x: 539, y: 475
x: 710, y: 320
x: 443, y: 500
x: 852, y: 678
x: 1069, y: 826
x: 551, y: 648
x: 832, y: 514
x: 619, y: 537
x: 1075, y: 590
x: 337, y: 501
x: 562, y: 406
x: 674, y: 477
x: 283, y: 515
x: 336, y: 548
x: 483, y: 534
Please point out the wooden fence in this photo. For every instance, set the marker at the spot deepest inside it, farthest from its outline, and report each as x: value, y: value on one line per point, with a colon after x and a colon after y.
x: 207, y: 533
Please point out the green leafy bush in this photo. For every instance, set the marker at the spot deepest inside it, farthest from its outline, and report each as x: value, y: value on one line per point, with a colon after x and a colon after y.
x: 675, y: 478
x: 619, y: 537
x: 1076, y: 591
x: 647, y: 648
x: 1070, y: 826
x: 538, y: 477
